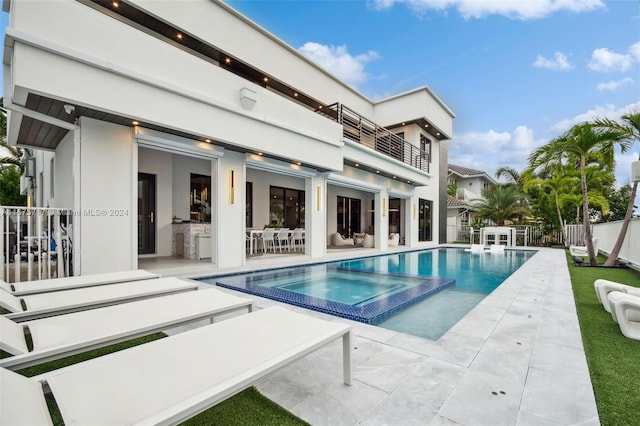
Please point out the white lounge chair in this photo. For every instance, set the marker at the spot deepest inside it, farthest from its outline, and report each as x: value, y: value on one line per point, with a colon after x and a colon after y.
x: 169, y: 380
x: 61, y: 302
x: 626, y: 312
x: 604, y: 287
x: 581, y: 251
x: 68, y: 283
x: 476, y: 248
x: 496, y: 249
x: 63, y: 335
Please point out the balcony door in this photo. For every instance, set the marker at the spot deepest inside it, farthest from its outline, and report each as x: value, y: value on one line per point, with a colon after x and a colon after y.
x: 146, y: 213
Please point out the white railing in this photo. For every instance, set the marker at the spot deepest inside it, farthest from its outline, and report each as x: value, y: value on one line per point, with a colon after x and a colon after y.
x: 525, y: 235
x: 36, y: 243
x: 575, y: 235
x: 607, y: 234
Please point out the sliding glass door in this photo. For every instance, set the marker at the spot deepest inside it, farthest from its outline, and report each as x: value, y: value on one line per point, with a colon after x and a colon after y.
x: 349, y: 214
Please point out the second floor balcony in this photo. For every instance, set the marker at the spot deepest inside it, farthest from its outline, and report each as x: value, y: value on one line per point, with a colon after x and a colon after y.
x: 358, y: 129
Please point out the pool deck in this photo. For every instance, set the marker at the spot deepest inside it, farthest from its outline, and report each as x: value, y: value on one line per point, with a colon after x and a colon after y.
x: 516, y: 359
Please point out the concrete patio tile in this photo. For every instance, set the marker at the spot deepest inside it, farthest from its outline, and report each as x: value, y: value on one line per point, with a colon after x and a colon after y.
x: 565, y: 398
x: 528, y: 419
x: 559, y: 358
x: 482, y: 398
x: 561, y: 328
x: 337, y: 404
x: 419, y: 396
x: 387, y: 369
x: 504, y: 359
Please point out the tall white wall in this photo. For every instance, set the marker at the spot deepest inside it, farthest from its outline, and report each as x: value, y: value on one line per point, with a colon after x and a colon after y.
x: 63, y: 174
x: 108, y: 178
x: 607, y: 234
x: 160, y: 164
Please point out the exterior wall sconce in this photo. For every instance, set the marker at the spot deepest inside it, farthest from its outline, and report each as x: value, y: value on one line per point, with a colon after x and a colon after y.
x: 247, y: 98
x: 318, y: 198
x: 414, y: 210
x: 232, y: 187
x: 384, y: 207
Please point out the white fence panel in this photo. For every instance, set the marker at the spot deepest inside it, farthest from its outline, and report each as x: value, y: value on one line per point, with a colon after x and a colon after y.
x: 607, y: 234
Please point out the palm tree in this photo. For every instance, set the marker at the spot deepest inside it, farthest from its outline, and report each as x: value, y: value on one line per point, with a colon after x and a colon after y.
x: 558, y: 184
x: 511, y: 175
x: 628, y: 130
x: 581, y: 142
x: 501, y: 203
x: 452, y: 190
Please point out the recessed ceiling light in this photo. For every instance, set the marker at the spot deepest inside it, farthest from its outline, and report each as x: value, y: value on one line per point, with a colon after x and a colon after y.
x: 135, y: 123
x: 298, y: 163
x: 115, y: 4
x: 295, y: 94
x: 408, y: 181
x: 377, y: 171
x: 357, y: 165
x: 228, y: 60
x: 403, y: 123
x: 266, y: 79
x: 207, y: 140
x: 259, y: 153
x: 394, y: 177
x: 426, y: 125
x: 438, y: 134
x: 179, y: 36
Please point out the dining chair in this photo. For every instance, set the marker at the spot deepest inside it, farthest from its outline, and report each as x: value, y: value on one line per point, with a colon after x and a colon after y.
x: 268, y: 239
x: 297, y: 239
x: 283, y: 239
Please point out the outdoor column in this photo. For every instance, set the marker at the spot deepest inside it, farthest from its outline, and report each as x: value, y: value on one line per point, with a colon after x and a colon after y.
x: 228, y: 222
x: 382, y: 220
x: 316, y: 216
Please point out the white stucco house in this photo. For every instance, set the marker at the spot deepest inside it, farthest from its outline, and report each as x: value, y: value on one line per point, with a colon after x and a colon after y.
x: 470, y: 183
x: 158, y: 121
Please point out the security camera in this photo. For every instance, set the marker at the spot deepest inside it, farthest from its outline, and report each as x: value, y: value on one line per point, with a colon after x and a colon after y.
x: 69, y: 109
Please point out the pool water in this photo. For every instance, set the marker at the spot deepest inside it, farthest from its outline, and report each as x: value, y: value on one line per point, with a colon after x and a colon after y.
x: 422, y: 293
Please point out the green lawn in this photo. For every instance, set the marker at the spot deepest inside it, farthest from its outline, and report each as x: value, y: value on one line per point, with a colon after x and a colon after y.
x: 614, y: 360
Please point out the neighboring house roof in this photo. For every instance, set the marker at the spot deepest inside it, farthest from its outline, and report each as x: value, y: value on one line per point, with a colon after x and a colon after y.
x: 455, y: 203
x: 466, y: 172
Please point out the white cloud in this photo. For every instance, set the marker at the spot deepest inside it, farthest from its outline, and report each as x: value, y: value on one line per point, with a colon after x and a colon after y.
x: 338, y: 61
x: 559, y: 63
x: 607, y: 111
x: 605, y: 60
x: 514, y: 9
x: 615, y: 84
x: 487, y: 151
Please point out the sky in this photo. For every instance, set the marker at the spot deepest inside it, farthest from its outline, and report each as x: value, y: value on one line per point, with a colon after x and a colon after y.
x: 516, y: 73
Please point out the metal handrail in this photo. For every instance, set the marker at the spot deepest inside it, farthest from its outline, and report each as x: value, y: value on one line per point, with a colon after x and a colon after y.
x: 366, y: 132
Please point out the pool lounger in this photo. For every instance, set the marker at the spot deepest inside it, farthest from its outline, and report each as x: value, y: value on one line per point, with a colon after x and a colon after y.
x: 64, y: 335
x: 61, y: 302
x: 68, y: 283
x: 603, y: 287
x: 169, y: 380
x: 625, y: 310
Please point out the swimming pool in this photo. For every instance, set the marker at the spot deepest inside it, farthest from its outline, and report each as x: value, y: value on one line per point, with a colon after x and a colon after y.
x: 422, y: 293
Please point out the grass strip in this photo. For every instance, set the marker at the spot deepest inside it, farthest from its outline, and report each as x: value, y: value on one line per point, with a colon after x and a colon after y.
x: 247, y: 407
x: 612, y: 358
